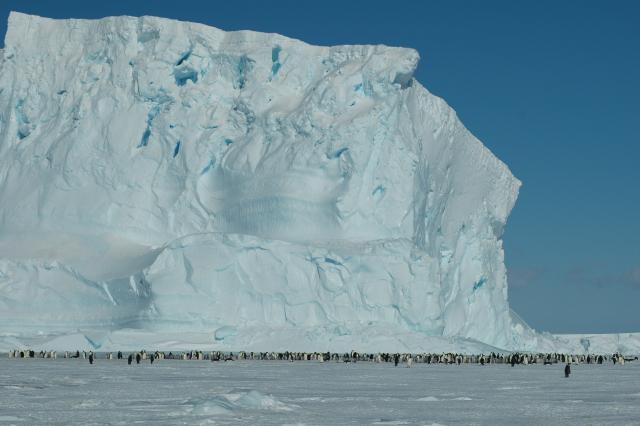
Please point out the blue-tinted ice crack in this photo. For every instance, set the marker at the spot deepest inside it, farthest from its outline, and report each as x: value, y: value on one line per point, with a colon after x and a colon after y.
x: 208, y: 167
x: 275, y: 58
x: 144, y: 141
x: 479, y: 283
x: 183, y: 57
x: 23, y: 121
x: 338, y: 153
x: 332, y: 261
x: 379, y: 190
x: 244, y: 66
x: 184, y: 74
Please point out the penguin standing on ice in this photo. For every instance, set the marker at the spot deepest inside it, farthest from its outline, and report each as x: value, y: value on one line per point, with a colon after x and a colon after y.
x: 130, y: 359
x: 90, y: 357
x: 567, y: 370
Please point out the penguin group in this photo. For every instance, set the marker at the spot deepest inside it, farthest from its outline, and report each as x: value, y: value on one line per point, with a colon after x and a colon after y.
x: 406, y: 359
x: 32, y: 354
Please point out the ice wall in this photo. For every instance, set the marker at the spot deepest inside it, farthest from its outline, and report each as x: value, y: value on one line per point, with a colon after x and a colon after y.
x: 238, y: 180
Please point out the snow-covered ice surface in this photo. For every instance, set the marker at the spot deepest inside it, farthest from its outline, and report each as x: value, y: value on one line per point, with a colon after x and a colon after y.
x: 37, y: 391
x: 165, y: 177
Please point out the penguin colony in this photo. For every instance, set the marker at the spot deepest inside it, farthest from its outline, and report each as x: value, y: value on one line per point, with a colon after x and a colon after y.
x: 408, y: 359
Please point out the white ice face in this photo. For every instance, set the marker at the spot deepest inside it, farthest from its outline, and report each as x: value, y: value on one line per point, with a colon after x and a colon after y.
x: 171, y: 175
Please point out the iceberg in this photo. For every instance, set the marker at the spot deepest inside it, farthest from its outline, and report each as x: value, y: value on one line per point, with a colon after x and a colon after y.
x: 162, y: 178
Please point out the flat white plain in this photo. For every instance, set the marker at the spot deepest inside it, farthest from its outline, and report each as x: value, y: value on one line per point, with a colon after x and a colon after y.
x: 40, y: 391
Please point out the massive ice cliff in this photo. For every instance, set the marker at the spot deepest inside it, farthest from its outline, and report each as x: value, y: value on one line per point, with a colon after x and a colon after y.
x: 170, y: 177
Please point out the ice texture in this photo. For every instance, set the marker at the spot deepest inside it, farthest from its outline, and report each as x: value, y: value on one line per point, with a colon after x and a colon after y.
x: 170, y: 176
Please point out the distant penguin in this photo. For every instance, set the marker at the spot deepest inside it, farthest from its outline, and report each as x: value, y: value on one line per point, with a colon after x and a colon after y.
x: 138, y: 357
x: 90, y: 357
x: 130, y: 359
x: 567, y: 370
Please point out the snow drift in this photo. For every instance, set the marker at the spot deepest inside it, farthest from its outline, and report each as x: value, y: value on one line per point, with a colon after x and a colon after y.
x: 169, y: 176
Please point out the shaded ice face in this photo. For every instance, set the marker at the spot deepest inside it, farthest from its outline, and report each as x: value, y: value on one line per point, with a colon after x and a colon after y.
x: 293, y: 205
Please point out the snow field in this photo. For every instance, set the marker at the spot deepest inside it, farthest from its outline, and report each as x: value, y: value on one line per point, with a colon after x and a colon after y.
x: 40, y: 391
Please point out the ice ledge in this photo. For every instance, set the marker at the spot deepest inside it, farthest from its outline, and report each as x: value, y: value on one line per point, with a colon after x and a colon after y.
x: 36, y: 33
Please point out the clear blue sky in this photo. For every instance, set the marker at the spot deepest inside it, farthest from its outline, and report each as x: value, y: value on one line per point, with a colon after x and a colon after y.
x: 552, y: 88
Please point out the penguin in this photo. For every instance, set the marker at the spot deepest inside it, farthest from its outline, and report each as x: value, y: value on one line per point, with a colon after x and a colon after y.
x: 130, y: 359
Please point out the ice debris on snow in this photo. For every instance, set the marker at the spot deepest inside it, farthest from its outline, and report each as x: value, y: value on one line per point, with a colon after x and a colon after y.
x: 234, y: 402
